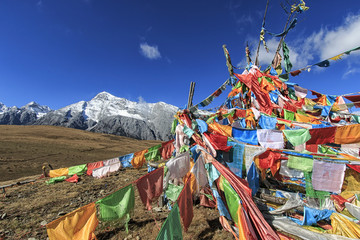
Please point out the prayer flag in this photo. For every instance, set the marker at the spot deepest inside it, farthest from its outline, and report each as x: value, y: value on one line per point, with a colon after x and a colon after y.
x: 150, y: 186
x: 117, y: 205
x: 139, y: 159
x: 185, y: 203
x: 171, y: 229
x: 77, y: 225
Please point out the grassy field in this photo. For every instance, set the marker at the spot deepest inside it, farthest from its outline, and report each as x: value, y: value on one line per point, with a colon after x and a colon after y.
x: 26, y: 208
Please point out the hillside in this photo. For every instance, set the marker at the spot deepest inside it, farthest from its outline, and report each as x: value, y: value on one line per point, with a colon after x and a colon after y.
x: 26, y: 208
x: 24, y: 149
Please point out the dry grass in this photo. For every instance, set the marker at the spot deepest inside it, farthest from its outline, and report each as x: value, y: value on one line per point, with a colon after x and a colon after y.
x: 23, y: 149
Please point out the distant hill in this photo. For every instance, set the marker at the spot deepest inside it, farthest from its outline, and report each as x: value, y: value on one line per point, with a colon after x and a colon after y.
x: 24, y: 149
x: 104, y: 113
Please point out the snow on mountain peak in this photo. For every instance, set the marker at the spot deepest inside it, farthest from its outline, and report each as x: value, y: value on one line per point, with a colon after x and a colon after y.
x: 36, y: 108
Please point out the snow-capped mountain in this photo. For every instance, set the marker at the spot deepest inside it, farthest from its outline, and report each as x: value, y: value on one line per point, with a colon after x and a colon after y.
x: 106, y: 113
x: 22, y: 116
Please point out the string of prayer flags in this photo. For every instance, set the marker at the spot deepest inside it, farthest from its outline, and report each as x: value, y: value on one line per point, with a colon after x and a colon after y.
x: 92, y: 166
x: 77, y: 225
x: 118, y: 205
x: 150, y: 187
x: 171, y: 228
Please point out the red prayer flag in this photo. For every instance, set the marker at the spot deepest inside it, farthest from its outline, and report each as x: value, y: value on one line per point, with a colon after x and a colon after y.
x: 166, y: 150
x: 355, y: 167
x: 73, y: 179
x: 219, y: 142
x: 204, y: 200
x: 322, y: 135
x: 355, y: 99
x: 251, y: 81
x: 312, y: 148
x: 150, y: 186
x: 92, y: 166
x: 185, y: 203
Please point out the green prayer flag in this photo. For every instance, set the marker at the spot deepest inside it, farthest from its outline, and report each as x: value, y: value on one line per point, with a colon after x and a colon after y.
x: 298, y: 136
x: 356, y: 118
x: 289, y: 115
x: 300, y: 163
x: 171, y: 228
x: 55, y: 179
x: 292, y: 94
x: 326, y: 150
x: 173, y: 191
x: 232, y: 199
x: 79, y: 169
x: 117, y: 205
x: 173, y: 125
x: 310, y: 191
x: 153, y: 153
x: 184, y: 148
x: 288, y: 64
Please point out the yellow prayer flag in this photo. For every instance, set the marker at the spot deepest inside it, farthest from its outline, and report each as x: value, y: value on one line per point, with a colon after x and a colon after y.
x: 337, y: 57
x: 77, y: 225
x: 59, y: 172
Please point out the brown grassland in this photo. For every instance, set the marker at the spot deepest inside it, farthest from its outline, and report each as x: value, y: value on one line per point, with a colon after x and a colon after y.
x: 25, y: 208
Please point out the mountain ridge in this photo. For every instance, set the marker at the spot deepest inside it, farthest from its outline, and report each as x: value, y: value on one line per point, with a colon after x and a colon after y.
x: 104, y: 113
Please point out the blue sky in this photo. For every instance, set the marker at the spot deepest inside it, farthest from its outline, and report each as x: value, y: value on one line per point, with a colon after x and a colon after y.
x: 58, y: 52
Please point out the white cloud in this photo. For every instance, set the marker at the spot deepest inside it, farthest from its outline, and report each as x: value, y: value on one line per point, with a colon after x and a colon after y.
x: 151, y: 52
x: 320, y: 45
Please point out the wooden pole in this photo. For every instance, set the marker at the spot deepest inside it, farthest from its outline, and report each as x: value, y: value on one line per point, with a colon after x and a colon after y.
x: 263, y: 24
x: 282, y: 38
x: 191, y: 95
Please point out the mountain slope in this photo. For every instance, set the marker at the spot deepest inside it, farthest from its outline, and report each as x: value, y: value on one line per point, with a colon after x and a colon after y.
x: 104, y: 113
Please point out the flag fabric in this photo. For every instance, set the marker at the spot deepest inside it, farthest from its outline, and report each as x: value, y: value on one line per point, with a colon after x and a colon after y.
x: 58, y: 172
x: 73, y: 179
x: 79, y: 169
x: 150, y: 187
x: 178, y: 167
x: 139, y: 159
x: 55, y: 180
x: 185, y: 203
x: 92, y: 166
x: 77, y: 225
x: 118, y: 205
x: 166, y: 150
x: 126, y: 160
x: 153, y: 153
x: 171, y: 228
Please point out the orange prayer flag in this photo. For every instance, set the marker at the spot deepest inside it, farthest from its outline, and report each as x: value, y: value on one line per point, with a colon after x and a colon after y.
x: 139, y: 159
x: 59, y: 172
x: 347, y: 134
x: 77, y: 225
x: 302, y: 118
x: 221, y: 129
